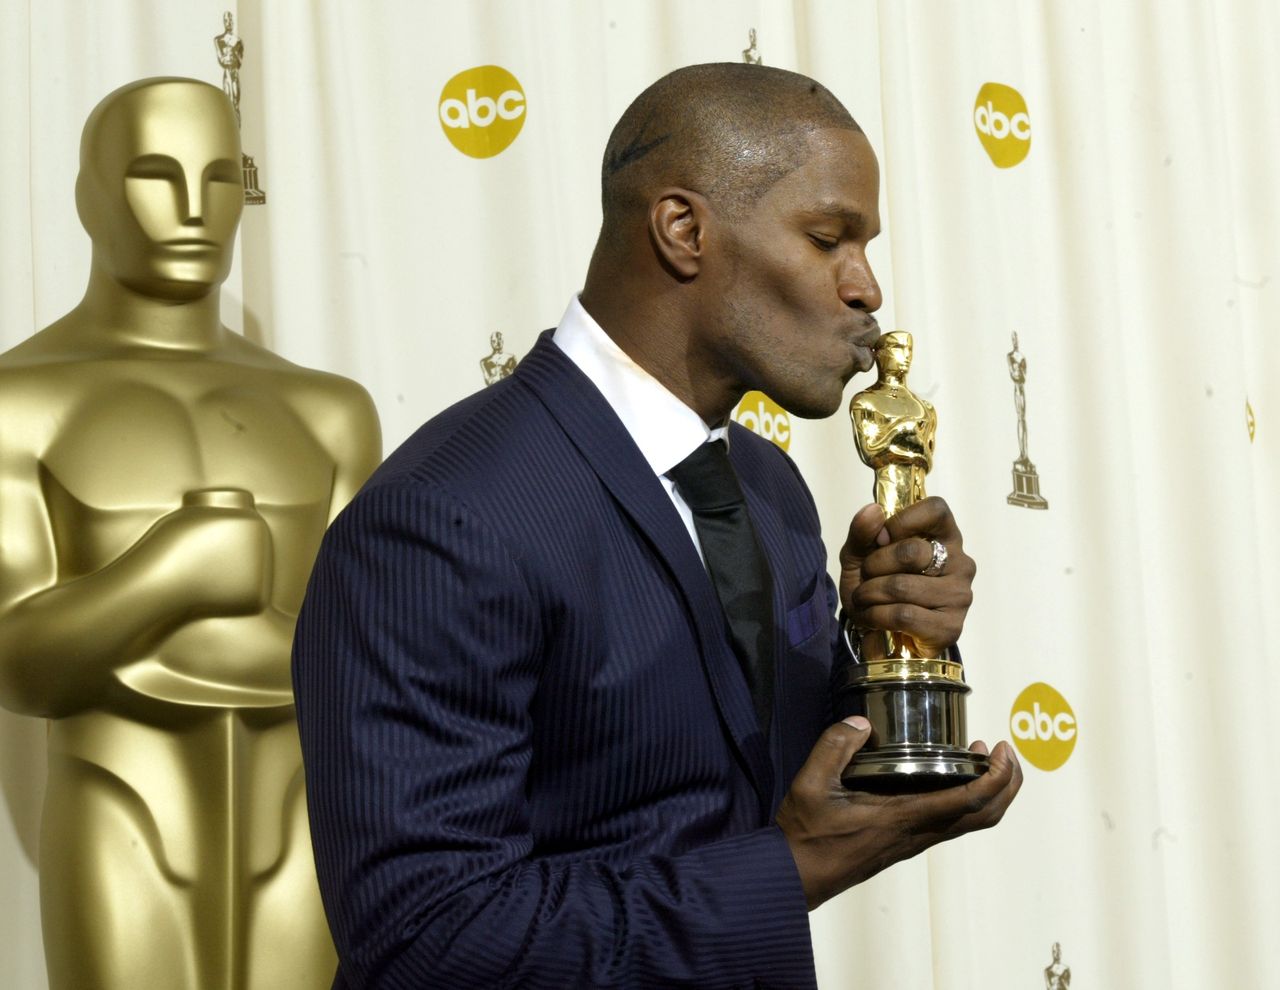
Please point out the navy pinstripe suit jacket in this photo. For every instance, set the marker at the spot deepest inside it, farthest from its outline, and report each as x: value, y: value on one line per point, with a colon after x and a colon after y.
x: 531, y: 754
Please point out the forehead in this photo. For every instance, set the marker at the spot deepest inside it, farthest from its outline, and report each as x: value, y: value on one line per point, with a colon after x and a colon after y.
x: 190, y: 123
x: 840, y: 177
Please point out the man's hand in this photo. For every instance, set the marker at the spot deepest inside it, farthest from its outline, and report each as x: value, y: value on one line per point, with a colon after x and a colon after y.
x: 840, y: 837
x: 882, y: 584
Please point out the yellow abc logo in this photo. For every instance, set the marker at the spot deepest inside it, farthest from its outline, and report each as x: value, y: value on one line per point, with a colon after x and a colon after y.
x: 482, y: 110
x: 1004, y: 127
x: 1043, y: 726
x: 761, y: 415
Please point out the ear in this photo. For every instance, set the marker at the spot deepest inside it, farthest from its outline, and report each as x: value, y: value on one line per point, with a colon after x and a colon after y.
x: 677, y: 230
x: 82, y: 202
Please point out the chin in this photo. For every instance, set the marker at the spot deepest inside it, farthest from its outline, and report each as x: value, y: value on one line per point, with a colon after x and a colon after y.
x: 811, y: 405
x: 176, y: 289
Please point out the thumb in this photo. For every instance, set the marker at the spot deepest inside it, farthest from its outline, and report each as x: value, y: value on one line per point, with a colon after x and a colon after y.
x: 867, y: 532
x: 832, y: 753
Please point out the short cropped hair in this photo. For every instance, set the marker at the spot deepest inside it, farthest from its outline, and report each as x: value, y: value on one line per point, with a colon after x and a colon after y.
x: 727, y: 130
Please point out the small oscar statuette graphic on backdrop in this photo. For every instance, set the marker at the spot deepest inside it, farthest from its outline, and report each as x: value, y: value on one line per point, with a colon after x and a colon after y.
x: 913, y: 697
x: 751, y: 54
x: 497, y: 365
x: 1057, y: 975
x: 230, y: 51
x: 1026, y: 483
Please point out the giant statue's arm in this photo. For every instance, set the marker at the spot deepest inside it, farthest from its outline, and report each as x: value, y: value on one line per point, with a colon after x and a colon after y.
x: 60, y: 641
x: 345, y: 422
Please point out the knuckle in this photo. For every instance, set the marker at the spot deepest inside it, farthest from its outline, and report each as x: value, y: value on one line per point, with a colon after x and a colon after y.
x: 836, y: 737
x: 937, y: 507
x: 905, y: 552
x: 898, y: 587
x: 900, y: 616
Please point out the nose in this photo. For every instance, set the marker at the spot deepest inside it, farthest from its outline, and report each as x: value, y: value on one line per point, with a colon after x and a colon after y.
x: 857, y: 286
x: 195, y: 186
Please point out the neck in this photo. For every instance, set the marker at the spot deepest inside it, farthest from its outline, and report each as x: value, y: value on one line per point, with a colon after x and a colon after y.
x: 131, y: 318
x: 649, y: 326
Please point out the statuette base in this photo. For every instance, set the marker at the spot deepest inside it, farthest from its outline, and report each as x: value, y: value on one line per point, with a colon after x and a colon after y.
x: 253, y: 196
x: 917, y: 713
x: 912, y: 769
x: 1026, y: 487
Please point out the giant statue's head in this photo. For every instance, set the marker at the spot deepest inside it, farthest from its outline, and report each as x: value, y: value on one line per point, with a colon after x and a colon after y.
x: 160, y: 188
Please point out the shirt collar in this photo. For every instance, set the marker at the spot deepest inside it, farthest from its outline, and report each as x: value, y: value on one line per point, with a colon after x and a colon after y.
x: 664, y: 428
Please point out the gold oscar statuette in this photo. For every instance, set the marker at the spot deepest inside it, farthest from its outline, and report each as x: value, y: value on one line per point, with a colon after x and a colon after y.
x: 914, y: 698
x: 164, y: 485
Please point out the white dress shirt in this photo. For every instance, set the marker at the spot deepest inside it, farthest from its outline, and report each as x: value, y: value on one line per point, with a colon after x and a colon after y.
x: 664, y: 428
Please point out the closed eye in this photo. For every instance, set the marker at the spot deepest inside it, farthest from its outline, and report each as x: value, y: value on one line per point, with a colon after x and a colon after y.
x: 154, y: 167
x: 223, y: 170
x: 823, y: 243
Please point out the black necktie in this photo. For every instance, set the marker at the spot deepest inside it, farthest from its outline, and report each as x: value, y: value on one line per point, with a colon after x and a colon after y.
x: 739, y: 571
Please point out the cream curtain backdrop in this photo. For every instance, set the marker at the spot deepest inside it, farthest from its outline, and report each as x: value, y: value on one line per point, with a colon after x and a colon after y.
x: 1133, y: 251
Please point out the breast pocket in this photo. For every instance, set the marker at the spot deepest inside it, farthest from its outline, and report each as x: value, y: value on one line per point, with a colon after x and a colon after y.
x: 809, y: 618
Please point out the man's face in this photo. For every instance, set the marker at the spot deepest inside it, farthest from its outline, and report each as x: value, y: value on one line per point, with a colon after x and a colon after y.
x: 161, y: 194
x: 789, y: 310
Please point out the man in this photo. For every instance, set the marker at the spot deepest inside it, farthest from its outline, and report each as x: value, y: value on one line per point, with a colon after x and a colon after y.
x: 164, y: 484
x: 534, y: 758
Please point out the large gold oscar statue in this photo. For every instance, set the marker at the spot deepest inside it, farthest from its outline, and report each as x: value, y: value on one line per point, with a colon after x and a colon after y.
x: 164, y: 484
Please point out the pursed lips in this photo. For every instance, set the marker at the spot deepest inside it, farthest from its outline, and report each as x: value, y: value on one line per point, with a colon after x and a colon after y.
x: 863, y: 340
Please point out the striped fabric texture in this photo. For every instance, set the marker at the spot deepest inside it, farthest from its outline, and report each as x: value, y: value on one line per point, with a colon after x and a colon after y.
x: 531, y: 754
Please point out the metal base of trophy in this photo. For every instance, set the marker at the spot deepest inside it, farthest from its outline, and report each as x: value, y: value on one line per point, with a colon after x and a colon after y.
x: 1026, y: 487
x: 912, y: 769
x: 917, y: 715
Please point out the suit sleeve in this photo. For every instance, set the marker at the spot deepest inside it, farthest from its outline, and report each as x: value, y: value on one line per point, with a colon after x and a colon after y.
x: 416, y: 657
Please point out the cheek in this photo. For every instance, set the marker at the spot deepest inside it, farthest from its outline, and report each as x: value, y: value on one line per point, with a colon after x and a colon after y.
x: 154, y: 205
x: 226, y: 202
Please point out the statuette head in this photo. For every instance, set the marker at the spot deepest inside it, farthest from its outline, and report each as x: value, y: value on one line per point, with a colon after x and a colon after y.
x: 893, y: 353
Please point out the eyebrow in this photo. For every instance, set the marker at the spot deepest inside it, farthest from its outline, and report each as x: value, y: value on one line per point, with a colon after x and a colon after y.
x: 853, y: 218
x: 838, y: 212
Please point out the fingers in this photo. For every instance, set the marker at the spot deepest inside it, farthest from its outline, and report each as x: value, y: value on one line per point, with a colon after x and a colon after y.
x: 979, y: 804
x: 831, y: 754
x: 883, y: 584
x: 904, y: 543
x: 867, y: 533
x: 839, y: 837
x: 930, y: 517
x: 923, y: 590
x: 932, y: 630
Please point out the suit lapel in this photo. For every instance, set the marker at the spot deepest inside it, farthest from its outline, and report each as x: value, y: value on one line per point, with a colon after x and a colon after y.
x: 604, y: 443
